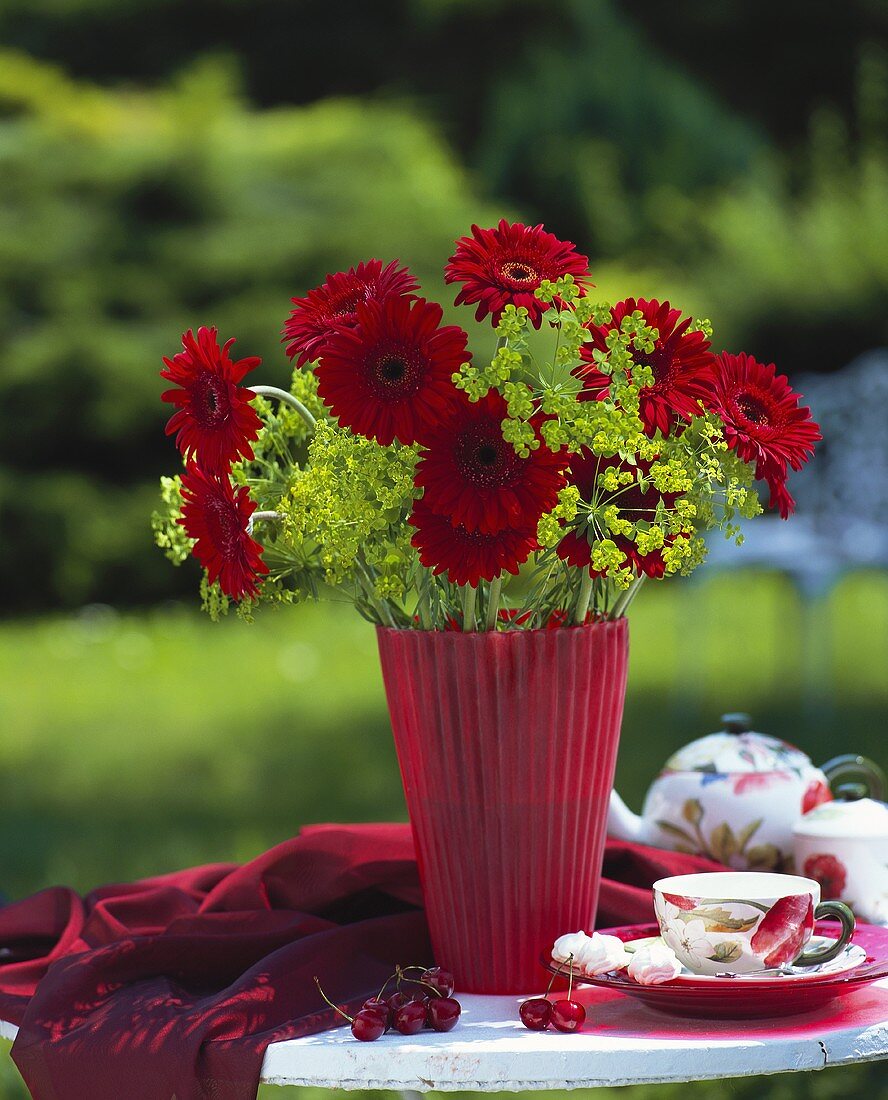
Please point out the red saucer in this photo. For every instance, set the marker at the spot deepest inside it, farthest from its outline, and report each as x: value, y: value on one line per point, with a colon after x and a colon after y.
x: 746, y: 998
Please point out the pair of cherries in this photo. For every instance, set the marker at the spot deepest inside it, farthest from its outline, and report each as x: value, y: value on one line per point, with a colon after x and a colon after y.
x: 431, y: 1006
x: 538, y: 1013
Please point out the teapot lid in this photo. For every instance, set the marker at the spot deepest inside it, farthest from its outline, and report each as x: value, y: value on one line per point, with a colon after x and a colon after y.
x: 737, y: 748
x: 848, y: 816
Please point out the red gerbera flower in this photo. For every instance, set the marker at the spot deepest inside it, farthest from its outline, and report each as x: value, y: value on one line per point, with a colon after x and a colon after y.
x: 218, y: 516
x: 634, y: 504
x: 505, y: 266
x: 335, y: 302
x: 215, y: 422
x: 390, y: 376
x: 474, y: 477
x: 468, y: 556
x: 681, y: 363
x: 764, y: 422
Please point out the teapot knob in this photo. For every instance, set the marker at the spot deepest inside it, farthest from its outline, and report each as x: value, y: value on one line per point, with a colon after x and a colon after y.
x: 736, y: 722
x: 851, y: 792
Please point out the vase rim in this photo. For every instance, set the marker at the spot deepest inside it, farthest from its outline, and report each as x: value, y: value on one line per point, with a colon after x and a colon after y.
x: 519, y: 632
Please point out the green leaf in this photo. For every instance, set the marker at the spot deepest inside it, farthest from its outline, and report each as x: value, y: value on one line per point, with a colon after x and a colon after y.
x: 722, y: 842
x: 764, y: 857
x: 745, y: 835
x: 728, y: 951
x: 674, y: 830
x: 692, y: 811
x: 718, y: 920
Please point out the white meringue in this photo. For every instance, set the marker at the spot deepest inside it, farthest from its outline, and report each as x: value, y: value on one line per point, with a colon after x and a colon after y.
x: 654, y: 964
x: 572, y: 943
x: 592, y: 955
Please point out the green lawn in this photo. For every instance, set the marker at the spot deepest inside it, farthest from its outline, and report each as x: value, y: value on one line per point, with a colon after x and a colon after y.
x: 134, y: 744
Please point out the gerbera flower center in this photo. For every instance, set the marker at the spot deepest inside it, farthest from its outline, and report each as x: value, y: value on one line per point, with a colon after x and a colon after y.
x: 485, y: 459
x: 393, y: 370
x: 752, y: 408
x: 345, y: 304
x: 520, y: 274
x: 394, y: 375
x: 226, y: 529
x: 210, y: 400
x: 661, y: 363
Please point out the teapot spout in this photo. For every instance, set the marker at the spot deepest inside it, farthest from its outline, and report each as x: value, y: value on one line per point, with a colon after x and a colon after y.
x: 622, y: 823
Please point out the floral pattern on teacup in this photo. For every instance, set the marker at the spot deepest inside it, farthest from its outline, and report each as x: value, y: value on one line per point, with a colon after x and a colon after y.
x: 711, y: 935
x: 784, y: 930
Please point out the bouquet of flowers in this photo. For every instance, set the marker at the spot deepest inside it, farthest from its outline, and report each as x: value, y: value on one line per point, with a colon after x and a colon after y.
x: 416, y: 478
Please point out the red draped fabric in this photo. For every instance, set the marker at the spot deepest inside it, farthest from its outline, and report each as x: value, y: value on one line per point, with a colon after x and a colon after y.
x: 173, y: 987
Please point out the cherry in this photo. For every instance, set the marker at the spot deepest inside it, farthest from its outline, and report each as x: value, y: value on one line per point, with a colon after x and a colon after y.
x: 439, y: 979
x: 536, y: 1013
x: 410, y: 1018
x: 368, y: 1025
x: 397, y: 1000
x: 443, y: 1013
x: 568, y: 1015
x: 380, y: 1006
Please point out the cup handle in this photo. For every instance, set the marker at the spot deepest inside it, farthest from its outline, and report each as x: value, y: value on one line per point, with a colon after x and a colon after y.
x: 823, y: 954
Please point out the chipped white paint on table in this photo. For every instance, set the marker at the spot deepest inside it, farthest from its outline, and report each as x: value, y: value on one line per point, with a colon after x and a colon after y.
x: 624, y: 1043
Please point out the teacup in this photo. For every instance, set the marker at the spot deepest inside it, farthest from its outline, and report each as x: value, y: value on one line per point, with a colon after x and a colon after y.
x: 741, y: 922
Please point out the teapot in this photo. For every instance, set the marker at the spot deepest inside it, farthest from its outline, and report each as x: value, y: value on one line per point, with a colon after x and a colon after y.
x: 733, y: 796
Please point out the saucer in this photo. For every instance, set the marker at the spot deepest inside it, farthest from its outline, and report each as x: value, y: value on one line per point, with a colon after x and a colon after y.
x: 749, y: 996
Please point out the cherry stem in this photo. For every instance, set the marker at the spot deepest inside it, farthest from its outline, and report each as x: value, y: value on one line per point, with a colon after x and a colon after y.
x: 401, y: 972
x: 555, y: 974
x: 570, y: 980
x: 336, y: 1008
x: 384, y: 986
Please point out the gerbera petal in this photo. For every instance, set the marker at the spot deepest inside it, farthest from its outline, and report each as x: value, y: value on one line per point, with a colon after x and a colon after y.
x: 467, y: 556
x: 472, y: 475
x: 764, y: 421
x: 215, y: 422
x: 334, y: 303
x: 681, y: 363
x: 506, y: 265
x: 216, y: 517
x: 390, y: 376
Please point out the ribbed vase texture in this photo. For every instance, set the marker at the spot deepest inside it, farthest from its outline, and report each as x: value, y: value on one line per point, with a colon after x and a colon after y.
x: 507, y: 744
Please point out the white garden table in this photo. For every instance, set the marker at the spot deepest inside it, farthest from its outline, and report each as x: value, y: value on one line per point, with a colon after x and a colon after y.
x: 623, y: 1043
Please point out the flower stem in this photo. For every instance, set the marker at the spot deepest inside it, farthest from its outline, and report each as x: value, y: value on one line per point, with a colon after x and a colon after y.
x: 424, y: 604
x: 493, y: 601
x: 469, y: 608
x: 583, y: 599
x: 288, y: 399
x: 261, y: 516
x: 622, y: 604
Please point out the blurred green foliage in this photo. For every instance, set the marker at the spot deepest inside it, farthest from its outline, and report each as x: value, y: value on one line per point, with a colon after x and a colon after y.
x: 235, y: 152
x: 127, y: 218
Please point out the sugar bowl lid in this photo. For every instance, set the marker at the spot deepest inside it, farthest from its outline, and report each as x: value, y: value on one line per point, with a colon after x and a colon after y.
x: 737, y: 748
x: 856, y: 810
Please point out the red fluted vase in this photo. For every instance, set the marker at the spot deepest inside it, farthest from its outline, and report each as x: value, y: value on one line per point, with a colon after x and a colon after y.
x: 507, y: 744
